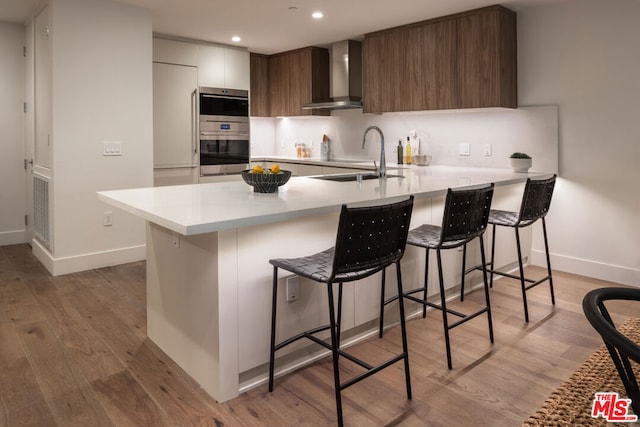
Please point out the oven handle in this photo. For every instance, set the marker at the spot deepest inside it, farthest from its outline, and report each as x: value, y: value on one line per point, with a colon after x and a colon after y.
x: 240, y: 98
x: 194, y: 121
x: 231, y: 136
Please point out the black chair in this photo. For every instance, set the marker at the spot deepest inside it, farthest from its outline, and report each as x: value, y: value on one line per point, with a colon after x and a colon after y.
x: 466, y: 213
x: 536, y: 200
x: 620, y: 347
x: 369, y: 239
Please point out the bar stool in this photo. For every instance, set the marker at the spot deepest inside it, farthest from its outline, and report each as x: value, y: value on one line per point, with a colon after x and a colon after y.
x: 466, y: 213
x: 536, y: 200
x: 369, y: 239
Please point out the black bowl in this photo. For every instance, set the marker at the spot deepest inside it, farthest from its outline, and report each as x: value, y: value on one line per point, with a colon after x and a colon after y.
x: 266, y: 182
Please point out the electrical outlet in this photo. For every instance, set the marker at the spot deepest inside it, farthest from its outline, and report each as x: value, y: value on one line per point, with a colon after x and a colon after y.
x: 487, y: 150
x: 293, y: 288
x: 107, y: 219
x: 464, y: 150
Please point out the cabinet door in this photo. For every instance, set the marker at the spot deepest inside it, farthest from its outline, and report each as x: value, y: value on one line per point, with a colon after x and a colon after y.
x: 259, y: 101
x: 174, y: 115
x: 236, y: 69
x: 279, y: 85
x: 379, y: 71
x: 211, y: 67
x: 175, y: 52
x: 299, y: 77
x: 437, y: 68
x: 487, y: 59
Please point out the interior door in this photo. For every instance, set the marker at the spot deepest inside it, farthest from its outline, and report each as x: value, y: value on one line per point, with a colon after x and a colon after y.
x: 175, y: 115
x: 29, y: 143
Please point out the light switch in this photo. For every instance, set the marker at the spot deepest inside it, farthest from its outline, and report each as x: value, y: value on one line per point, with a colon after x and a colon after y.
x: 111, y: 148
x: 464, y: 150
x: 487, y: 150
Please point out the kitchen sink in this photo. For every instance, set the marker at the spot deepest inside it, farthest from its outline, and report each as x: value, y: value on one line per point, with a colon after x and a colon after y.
x: 352, y: 177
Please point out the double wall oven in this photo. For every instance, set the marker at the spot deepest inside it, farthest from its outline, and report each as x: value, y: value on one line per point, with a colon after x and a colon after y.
x: 224, y: 131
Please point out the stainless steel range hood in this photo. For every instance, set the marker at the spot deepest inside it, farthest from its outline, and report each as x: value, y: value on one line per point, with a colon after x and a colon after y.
x: 345, y: 79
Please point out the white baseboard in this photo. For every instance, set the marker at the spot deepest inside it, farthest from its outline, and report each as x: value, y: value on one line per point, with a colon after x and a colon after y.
x: 72, y: 264
x: 598, y: 270
x: 12, y: 237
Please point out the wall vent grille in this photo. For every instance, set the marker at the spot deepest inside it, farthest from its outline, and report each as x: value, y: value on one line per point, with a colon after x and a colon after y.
x: 41, y: 229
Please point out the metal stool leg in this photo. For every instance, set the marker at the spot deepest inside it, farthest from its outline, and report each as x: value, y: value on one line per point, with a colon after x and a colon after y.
x: 486, y: 288
x: 403, y: 329
x: 546, y: 249
x: 334, y: 351
x: 464, y: 259
x: 493, y: 253
x: 522, y: 281
x: 382, y: 304
x: 426, y: 280
x: 443, y: 302
x: 273, y: 327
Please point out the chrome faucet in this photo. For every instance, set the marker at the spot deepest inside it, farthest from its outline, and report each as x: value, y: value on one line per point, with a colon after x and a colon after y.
x: 383, y: 164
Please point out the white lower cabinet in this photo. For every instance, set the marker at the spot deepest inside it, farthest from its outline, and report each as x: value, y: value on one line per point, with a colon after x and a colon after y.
x: 219, y: 178
x: 175, y: 176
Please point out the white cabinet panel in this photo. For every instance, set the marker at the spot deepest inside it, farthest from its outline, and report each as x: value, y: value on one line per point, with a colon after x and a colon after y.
x: 174, y: 115
x: 211, y: 66
x: 219, y: 178
x: 236, y: 69
x: 175, y: 176
x: 175, y: 52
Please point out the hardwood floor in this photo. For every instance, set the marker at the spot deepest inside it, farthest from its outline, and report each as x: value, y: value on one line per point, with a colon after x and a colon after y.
x: 73, y: 351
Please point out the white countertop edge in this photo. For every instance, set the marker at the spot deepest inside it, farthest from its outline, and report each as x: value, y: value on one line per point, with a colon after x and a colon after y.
x: 156, y: 205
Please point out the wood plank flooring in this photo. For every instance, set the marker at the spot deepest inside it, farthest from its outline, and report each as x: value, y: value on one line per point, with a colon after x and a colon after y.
x: 74, y: 352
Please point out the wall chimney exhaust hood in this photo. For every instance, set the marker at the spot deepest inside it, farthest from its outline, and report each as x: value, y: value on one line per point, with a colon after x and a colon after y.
x: 345, y: 79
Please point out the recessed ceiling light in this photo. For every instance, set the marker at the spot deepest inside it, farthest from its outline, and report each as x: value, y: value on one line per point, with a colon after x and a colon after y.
x: 317, y: 15
x: 236, y: 38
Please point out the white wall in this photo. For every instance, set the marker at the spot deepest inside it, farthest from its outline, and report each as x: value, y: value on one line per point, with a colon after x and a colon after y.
x: 584, y: 56
x: 12, y: 175
x: 532, y: 130
x: 102, y: 91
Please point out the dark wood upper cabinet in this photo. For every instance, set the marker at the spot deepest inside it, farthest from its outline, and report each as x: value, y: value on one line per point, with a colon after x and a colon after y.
x: 487, y: 59
x: 292, y: 79
x: 467, y: 60
x: 259, y: 76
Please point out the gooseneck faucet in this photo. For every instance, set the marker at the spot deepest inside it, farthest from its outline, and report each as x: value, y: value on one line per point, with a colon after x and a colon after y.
x: 383, y: 164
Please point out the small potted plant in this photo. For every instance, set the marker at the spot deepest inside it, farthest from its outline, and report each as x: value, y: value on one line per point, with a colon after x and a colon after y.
x: 520, y: 162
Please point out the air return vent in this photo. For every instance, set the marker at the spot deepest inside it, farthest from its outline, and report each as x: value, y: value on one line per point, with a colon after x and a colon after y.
x: 41, y: 210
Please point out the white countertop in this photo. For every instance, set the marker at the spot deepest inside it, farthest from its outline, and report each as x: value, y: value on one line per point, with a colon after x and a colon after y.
x: 203, y: 208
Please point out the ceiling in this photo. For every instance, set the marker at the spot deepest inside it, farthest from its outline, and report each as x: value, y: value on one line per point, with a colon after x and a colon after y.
x: 269, y: 26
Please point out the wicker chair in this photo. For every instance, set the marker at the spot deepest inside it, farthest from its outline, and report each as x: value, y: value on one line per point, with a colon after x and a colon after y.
x: 621, y: 348
x: 465, y: 217
x: 536, y: 200
x: 369, y: 239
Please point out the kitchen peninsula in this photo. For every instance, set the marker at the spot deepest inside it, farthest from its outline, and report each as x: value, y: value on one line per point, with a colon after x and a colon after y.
x: 208, y: 276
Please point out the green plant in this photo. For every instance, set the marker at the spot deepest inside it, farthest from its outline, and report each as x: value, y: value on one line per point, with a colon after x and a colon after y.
x: 518, y: 155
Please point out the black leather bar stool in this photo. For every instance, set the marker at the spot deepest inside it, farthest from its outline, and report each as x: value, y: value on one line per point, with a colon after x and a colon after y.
x: 369, y: 239
x: 466, y: 213
x: 536, y: 200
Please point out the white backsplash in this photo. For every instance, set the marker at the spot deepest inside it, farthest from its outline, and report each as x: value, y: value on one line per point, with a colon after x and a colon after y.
x: 533, y: 130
